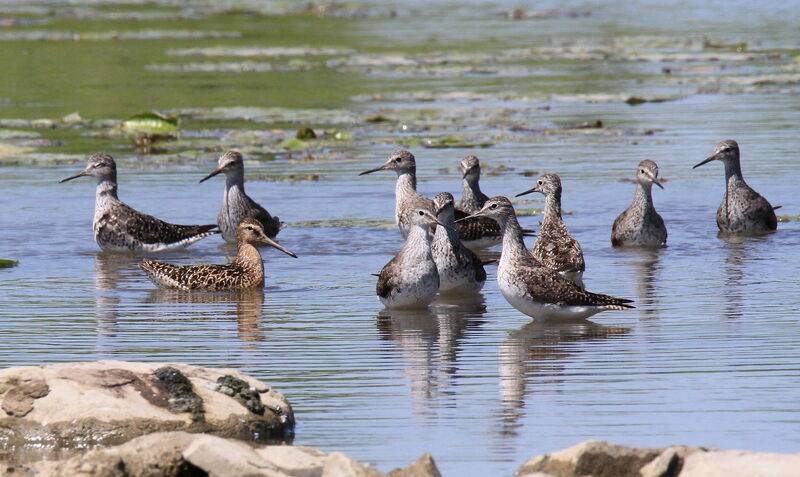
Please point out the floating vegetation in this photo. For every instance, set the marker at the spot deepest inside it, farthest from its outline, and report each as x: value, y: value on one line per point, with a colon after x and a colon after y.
x: 5, y: 263
x: 151, y: 123
x: 48, y: 35
x: 285, y: 178
x: 305, y: 133
x: 346, y: 222
x: 788, y: 218
x: 248, y: 51
x: 293, y: 144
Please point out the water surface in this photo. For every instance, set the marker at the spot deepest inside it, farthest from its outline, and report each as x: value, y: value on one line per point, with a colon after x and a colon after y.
x: 709, y: 356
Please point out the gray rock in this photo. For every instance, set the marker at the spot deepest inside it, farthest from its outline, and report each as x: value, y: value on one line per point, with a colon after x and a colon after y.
x: 604, y: 459
x: 423, y: 467
x: 47, y: 409
x: 181, y: 454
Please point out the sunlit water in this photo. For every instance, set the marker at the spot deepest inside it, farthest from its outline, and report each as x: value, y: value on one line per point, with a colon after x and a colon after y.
x: 709, y: 356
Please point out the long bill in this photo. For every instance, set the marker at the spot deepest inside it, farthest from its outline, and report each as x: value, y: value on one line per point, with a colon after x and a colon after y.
x: 476, y: 214
x: 381, y: 168
x: 706, y: 161
x: 654, y: 178
x: 268, y: 241
x: 535, y: 189
x: 216, y: 171
x: 80, y: 174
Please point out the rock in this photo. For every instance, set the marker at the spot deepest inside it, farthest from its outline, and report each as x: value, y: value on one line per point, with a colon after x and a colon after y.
x: 727, y: 463
x: 339, y: 465
x: 297, y: 461
x: 604, y: 459
x: 595, y: 458
x: 181, y: 454
x: 423, y: 467
x: 46, y: 409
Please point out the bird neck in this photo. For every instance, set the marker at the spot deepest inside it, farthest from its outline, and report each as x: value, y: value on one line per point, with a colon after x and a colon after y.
x: 643, y: 196
x: 552, y: 207
x: 513, y: 243
x: 249, y: 258
x: 447, y: 234
x: 405, y: 189
x: 107, y: 187
x: 733, y: 173
x: 418, y: 243
x: 234, y: 179
x: 471, y: 192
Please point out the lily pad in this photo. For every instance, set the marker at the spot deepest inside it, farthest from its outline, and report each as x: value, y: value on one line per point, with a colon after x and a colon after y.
x: 151, y: 123
x: 4, y: 263
x: 293, y: 144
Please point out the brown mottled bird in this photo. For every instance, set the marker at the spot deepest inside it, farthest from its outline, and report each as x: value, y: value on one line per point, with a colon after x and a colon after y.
x: 120, y: 228
x: 555, y: 248
x: 640, y: 225
x: 245, y: 271
x: 743, y: 210
x: 236, y: 204
x: 532, y: 288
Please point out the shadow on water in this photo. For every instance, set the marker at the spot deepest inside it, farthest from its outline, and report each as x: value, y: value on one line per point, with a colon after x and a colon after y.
x: 536, y: 352
x: 430, y: 340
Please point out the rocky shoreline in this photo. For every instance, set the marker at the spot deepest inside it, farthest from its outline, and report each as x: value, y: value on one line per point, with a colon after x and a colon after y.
x: 118, y: 419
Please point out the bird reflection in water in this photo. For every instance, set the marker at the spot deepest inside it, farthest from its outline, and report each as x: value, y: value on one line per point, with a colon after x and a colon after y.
x: 645, y: 267
x: 536, y: 352
x: 737, y: 252
x: 246, y: 311
x: 109, y: 270
x: 430, y: 340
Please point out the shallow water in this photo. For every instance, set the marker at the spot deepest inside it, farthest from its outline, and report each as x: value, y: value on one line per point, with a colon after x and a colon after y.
x: 709, y: 356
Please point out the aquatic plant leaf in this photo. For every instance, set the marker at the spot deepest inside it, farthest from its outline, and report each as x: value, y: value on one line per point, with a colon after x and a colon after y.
x: 4, y: 263
x: 151, y: 122
x: 293, y: 144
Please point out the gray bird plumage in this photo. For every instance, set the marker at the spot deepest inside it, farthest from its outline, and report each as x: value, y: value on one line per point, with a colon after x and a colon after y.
x: 640, y: 225
x: 236, y: 204
x: 244, y: 272
x: 743, y: 210
x: 410, y: 279
x: 460, y: 270
x: 120, y: 228
x: 532, y: 288
x: 555, y: 248
x: 407, y: 198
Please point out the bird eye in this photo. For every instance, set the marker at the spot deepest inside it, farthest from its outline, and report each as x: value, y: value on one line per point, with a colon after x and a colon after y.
x: 540, y: 182
x: 641, y: 170
x: 397, y: 161
x: 421, y: 213
x: 494, y: 206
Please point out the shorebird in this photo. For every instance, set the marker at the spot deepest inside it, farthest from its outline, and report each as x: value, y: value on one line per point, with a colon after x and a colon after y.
x: 244, y: 272
x: 474, y: 232
x: 743, y: 210
x: 460, y: 270
x: 236, y: 204
x: 640, y: 225
x: 532, y: 288
x: 555, y: 248
x: 120, y: 228
x: 472, y: 199
x: 410, y: 279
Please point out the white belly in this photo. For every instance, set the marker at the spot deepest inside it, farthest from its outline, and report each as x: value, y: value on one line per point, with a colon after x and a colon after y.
x: 546, y: 311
